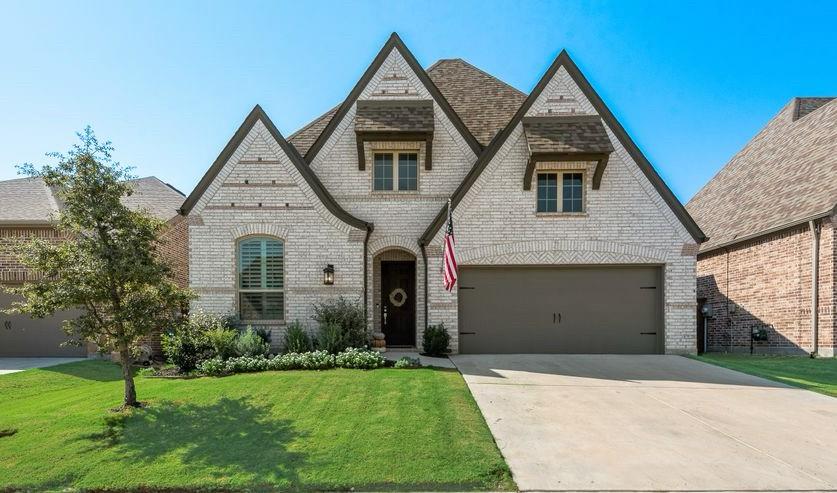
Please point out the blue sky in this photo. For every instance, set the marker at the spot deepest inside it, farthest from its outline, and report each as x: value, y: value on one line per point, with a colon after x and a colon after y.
x: 169, y: 82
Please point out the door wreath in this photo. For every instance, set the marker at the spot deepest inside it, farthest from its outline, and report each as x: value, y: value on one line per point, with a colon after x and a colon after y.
x: 398, y: 297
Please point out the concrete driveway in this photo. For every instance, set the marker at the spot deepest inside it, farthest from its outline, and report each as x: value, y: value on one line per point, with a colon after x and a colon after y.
x: 13, y: 365
x: 642, y: 423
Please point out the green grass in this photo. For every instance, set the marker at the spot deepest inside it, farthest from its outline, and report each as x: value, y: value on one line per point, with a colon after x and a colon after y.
x: 339, y: 429
x: 819, y: 375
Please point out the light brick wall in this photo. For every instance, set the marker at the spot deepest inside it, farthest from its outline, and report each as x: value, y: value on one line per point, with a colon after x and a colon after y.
x: 626, y: 222
x: 766, y: 283
x: 260, y: 173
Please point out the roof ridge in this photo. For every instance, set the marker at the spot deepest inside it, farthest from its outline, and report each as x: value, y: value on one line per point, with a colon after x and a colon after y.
x: 466, y: 62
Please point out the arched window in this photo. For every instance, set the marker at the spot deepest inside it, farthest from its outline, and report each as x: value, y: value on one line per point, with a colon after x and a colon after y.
x: 261, y: 279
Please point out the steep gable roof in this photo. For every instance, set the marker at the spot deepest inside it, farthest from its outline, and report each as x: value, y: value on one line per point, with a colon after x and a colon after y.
x: 31, y: 201
x: 563, y: 60
x: 394, y: 43
x: 786, y: 175
x: 258, y: 114
x: 483, y: 102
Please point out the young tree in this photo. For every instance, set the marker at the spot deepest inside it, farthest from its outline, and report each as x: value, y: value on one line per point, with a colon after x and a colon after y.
x: 109, y: 264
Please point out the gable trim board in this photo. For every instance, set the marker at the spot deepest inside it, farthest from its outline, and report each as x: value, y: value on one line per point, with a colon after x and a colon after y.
x: 563, y: 60
x: 258, y: 114
x: 394, y: 42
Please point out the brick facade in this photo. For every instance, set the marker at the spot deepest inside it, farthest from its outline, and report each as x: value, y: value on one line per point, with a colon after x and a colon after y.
x: 259, y: 191
x: 766, y: 283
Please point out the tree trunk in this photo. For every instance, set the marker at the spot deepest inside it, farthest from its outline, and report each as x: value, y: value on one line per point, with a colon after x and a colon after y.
x: 128, y: 376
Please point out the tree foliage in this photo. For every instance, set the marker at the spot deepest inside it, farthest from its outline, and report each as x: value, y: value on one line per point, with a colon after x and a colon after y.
x: 109, y: 264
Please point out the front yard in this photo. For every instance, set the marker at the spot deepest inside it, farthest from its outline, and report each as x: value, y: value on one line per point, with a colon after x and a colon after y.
x: 819, y: 375
x: 337, y: 429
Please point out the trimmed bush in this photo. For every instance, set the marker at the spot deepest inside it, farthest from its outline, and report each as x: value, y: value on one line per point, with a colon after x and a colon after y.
x: 347, y: 317
x: 313, y: 360
x: 186, y: 345
x: 360, y: 359
x: 214, y: 367
x: 296, y: 339
x: 407, y: 362
x: 436, y: 340
x: 250, y: 343
x: 222, y: 342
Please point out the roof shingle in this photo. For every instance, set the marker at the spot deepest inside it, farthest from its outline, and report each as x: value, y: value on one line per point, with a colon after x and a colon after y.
x: 785, y: 175
x: 394, y: 116
x: 566, y: 134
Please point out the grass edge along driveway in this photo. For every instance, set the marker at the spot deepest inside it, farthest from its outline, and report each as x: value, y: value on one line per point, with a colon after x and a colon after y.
x: 338, y: 429
x: 815, y: 374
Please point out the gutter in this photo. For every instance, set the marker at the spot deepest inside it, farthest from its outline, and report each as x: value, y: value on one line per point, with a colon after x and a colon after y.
x: 774, y: 229
x: 426, y: 294
x: 369, y: 228
x: 815, y: 288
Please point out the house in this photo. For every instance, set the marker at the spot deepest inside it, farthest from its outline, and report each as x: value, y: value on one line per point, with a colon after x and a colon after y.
x: 28, y: 206
x: 567, y: 238
x: 771, y: 257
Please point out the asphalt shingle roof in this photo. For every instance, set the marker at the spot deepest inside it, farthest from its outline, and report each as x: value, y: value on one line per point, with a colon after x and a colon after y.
x: 394, y: 116
x: 566, y: 134
x: 30, y: 201
x: 484, y: 103
x: 786, y: 174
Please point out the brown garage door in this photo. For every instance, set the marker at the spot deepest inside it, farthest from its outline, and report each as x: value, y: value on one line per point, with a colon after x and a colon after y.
x: 21, y: 336
x: 587, y: 310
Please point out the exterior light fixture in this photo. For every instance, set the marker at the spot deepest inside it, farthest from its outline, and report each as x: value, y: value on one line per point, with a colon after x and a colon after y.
x: 328, y: 275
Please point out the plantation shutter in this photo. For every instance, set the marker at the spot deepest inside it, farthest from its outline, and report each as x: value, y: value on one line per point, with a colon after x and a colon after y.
x: 261, y: 279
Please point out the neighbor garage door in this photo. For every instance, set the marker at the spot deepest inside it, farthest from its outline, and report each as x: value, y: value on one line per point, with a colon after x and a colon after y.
x: 512, y: 309
x: 21, y: 336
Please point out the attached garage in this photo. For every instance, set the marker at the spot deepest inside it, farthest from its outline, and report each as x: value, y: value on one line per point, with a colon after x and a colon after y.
x: 553, y: 309
x: 22, y: 336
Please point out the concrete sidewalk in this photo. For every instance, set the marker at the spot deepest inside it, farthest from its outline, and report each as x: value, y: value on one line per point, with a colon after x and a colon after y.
x: 651, y: 423
x: 13, y: 365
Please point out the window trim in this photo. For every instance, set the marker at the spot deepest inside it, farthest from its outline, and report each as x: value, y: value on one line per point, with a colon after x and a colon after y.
x: 239, y: 290
x: 560, y: 172
x: 395, y: 153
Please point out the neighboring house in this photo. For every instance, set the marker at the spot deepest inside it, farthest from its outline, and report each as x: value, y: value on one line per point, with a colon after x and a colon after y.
x: 771, y: 257
x: 28, y: 206
x: 568, y: 240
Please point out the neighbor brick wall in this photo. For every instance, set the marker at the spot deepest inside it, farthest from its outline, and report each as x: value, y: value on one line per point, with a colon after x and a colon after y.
x: 766, y: 282
x: 11, y: 270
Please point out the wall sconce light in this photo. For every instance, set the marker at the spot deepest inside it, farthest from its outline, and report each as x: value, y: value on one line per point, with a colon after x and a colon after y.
x: 328, y: 275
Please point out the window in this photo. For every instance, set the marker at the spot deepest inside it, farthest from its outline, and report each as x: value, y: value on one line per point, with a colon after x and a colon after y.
x: 566, y: 198
x: 261, y: 280
x: 387, y: 174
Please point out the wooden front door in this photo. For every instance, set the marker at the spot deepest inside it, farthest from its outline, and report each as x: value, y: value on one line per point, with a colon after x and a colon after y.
x: 398, y: 302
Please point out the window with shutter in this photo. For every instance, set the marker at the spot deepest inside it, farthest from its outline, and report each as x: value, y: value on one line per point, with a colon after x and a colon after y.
x: 261, y: 279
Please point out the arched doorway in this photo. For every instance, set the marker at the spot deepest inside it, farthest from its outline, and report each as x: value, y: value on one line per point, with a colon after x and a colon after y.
x: 395, y: 297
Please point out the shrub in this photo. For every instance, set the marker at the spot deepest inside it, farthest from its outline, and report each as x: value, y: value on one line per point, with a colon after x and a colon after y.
x: 214, y: 367
x: 263, y: 333
x: 312, y: 360
x: 247, y: 364
x: 361, y: 359
x: 345, y: 315
x: 407, y: 362
x: 186, y: 345
x: 297, y: 339
x: 222, y: 342
x: 331, y: 338
x: 436, y: 340
x: 249, y: 343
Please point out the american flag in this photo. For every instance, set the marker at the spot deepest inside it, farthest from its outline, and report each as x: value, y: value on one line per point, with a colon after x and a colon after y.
x: 450, y: 268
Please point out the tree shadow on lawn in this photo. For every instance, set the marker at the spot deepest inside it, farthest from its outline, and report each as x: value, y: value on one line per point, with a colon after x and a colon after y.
x: 232, y: 437
x: 93, y: 369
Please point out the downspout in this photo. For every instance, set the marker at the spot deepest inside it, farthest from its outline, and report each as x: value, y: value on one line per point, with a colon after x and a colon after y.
x: 815, y: 285
x: 369, y: 228
x: 729, y: 319
x: 426, y: 294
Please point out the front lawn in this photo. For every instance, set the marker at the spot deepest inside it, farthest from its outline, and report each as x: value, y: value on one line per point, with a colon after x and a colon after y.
x: 337, y: 429
x: 819, y: 375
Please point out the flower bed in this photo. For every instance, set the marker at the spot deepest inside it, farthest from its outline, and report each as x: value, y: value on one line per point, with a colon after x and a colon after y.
x: 313, y: 360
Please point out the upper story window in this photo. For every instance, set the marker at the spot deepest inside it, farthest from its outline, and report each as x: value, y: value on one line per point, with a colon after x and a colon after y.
x: 395, y: 171
x: 261, y: 279
x: 560, y: 192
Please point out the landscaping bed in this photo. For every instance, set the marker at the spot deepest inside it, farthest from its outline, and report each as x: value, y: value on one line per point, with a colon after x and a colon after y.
x: 816, y: 374
x: 387, y: 429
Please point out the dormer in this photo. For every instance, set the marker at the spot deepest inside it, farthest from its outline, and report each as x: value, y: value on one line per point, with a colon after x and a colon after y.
x: 405, y: 124
x: 566, y: 138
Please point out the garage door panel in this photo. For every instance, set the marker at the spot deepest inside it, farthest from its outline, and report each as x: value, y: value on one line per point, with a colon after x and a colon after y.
x: 22, y: 336
x: 512, y: 309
